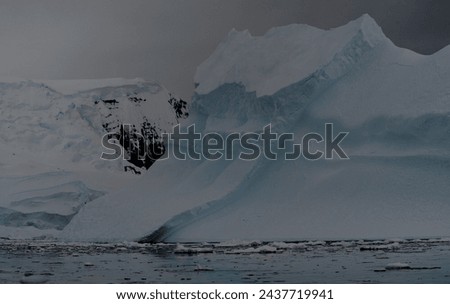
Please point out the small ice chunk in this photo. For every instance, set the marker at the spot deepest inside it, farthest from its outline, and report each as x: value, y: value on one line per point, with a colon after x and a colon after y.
x: 34, y: 279
x: 180, y: 249
x: 397, y: 266
x: 262, y: 249
x: 203, y: 268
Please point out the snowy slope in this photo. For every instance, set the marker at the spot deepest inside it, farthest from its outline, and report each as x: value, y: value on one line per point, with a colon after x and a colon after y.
x: 51, y: 145
x: 394, y: 103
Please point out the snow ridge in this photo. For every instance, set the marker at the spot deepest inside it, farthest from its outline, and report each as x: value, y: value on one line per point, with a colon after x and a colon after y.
x: 283, y: 56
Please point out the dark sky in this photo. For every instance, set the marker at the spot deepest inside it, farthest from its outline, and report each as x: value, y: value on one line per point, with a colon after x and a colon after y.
x: 165, y: 40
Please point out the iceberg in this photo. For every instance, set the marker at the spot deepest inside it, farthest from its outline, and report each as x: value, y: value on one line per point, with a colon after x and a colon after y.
x: 393, y: 102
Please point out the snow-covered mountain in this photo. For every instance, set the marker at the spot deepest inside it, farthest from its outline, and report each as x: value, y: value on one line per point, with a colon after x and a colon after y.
x: 52, y: 142
x: 394, y: 103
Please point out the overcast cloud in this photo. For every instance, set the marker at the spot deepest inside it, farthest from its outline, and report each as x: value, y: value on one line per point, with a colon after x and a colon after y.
x: 165, y: 40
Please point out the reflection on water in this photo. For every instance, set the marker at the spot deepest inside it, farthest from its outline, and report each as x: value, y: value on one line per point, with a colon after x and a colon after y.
x: 394, y: 261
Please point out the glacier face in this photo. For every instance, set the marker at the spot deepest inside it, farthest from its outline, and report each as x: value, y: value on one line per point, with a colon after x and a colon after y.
x: 393, y: 102
x: 51, y: 145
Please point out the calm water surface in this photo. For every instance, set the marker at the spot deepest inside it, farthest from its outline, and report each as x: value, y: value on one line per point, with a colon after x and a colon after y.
x: 395, y: 261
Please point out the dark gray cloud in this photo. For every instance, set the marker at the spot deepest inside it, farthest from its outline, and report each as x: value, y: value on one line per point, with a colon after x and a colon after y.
x: 165, y: 40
